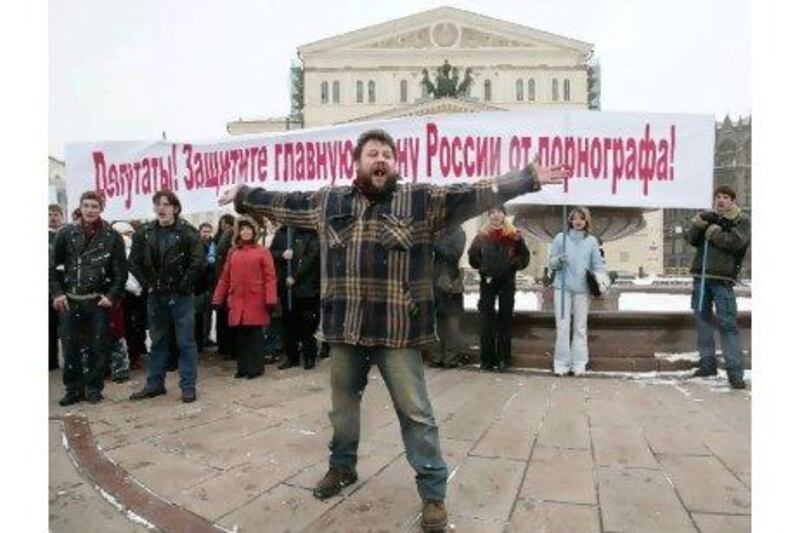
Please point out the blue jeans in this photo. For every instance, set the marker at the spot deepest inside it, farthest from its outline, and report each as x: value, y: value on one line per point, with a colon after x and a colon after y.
x: 85, y: 325
x: 721, y: 293
x: 402, y: 371
x: 178, y: 309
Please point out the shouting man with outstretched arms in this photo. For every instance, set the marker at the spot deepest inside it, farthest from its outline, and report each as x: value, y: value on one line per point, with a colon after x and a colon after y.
x: 377, y: 303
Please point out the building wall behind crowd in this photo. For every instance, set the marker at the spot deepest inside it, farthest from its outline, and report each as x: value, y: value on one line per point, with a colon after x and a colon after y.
x: 56, y: 183
x: 732, y: 153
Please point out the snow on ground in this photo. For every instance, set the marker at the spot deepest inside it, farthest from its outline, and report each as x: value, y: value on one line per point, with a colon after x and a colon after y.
x: 654, y: 302
x: 628, y: 301
x: 523, y: 301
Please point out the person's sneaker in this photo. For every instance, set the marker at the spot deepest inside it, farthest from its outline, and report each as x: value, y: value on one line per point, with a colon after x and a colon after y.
x: 737, y: 383
x: 188, y: 395
x: 94, y: 397
x: 71, y: 398
x: 333, y: 482
x: 146, y: 393
x: 703, y: 373
x: 434, y: 516
x: 578, y: 371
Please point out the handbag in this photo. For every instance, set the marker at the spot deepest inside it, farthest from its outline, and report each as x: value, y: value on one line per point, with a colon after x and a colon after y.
x: 594, y: 286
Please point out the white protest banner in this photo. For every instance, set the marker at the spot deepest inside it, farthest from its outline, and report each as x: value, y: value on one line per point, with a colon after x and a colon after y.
x: 616, y: 159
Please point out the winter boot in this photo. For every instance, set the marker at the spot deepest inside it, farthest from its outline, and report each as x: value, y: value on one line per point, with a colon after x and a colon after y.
x: 434, y: 516
x: 333, y: 482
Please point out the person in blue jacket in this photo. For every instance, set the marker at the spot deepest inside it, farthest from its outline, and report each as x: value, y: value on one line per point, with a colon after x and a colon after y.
x: 570, y: 263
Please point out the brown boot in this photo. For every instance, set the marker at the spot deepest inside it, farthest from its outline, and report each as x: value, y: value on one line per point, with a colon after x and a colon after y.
x: 333, y: 482
x: 434, y: 516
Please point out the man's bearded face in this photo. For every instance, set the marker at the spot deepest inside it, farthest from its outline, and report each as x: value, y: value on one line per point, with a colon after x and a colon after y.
x: 377, y: 164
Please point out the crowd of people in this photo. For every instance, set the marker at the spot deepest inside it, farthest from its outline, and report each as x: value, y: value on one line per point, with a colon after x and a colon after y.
x: 113, y: 283
x: 369, y: 270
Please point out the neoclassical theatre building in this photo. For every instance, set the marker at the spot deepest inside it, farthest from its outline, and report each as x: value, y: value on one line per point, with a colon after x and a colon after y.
x: 448, y: 60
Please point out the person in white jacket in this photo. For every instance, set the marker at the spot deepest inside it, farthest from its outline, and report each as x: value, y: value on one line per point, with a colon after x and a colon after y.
x: 570, y: 263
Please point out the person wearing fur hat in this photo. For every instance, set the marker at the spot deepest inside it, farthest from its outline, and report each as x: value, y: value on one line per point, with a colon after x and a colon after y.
x: 497, y: 252
x: 726, y: 230
x: 569, y: 264
x: 247, y: 289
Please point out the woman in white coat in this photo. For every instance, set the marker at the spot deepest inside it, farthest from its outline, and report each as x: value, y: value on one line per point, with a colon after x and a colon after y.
x: 570, y: 263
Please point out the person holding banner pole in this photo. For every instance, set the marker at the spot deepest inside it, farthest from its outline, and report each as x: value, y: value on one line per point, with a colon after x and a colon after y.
x: 376, y: 240
x: 572, y: 254
x: 297, y: 256
x: 722, y: 237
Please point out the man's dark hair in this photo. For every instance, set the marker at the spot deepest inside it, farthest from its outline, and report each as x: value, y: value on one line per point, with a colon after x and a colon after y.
x: 373, y: 135
x: 205, y: 225
x: 172, y: 199
x: 93, y: 195
x: 724, y: 189
x: 55, y: 207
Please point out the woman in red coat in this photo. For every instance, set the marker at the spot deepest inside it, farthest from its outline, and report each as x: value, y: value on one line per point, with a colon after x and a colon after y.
x: 247, y: 286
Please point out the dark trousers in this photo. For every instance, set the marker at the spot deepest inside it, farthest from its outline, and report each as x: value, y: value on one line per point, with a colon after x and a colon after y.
x: 134, y: 311
x: 273, y: 337
x: 201, y: 303
x: 165, y: 311
x: 495, y: 335
x: 248, y: 342
x: 88, y: 316
x: 52, y: 322
x: 449, y: 308
x: 299, y: 325
x: 224, y: 341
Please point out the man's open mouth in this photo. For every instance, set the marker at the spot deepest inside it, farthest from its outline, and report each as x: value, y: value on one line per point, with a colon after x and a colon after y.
x: 379, y: 172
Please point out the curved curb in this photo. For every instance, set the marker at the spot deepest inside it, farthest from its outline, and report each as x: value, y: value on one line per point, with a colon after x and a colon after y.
x: 123, y: 491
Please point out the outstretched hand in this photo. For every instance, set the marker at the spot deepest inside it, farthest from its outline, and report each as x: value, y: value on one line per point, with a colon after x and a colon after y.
x: 550, y: 175
x: 229, y: 195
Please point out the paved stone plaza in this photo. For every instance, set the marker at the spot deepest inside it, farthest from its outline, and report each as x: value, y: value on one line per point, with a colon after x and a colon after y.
x: 527, y: 452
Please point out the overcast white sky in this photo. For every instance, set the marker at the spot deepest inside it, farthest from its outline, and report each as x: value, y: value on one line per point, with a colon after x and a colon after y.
x: 122, y: 70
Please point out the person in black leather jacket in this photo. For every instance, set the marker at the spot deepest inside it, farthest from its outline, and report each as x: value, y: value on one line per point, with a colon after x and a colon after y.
x: 93, y: 279
x: 167, y: 258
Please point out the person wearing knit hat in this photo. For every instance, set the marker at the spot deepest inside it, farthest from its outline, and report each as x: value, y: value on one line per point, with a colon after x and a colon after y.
x: 248, y: 291
x: 498, y: 252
